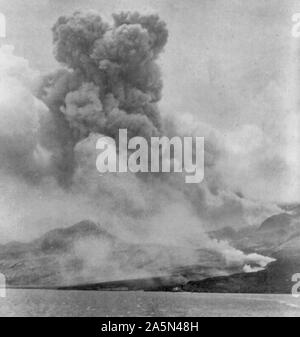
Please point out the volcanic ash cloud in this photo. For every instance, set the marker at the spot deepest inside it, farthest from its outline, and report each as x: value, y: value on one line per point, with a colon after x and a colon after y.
x: 109, y: 80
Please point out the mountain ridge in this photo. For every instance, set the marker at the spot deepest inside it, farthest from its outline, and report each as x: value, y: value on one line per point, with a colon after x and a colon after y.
x: 45, y: 261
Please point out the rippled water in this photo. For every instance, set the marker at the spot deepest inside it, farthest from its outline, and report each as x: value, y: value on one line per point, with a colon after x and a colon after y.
x: 123, y: 303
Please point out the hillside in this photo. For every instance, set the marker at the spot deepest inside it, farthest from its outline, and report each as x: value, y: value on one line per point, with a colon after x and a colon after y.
x: 61, y: 258
x: 87, y: 253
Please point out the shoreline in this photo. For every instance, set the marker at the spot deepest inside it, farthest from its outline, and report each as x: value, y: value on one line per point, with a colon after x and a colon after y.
x: 241, y: 283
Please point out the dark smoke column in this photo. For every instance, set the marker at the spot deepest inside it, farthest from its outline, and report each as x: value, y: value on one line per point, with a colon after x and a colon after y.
x: 111, y: 80
x: 120, y: 81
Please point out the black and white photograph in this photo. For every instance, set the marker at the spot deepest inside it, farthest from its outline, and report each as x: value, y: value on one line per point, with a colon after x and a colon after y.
x: 150, y: 160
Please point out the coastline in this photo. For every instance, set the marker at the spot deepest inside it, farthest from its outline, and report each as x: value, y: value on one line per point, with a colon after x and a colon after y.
x: 260, y: 282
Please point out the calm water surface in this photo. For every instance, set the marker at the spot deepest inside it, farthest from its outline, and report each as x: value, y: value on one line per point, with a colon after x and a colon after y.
x: 19, y: 302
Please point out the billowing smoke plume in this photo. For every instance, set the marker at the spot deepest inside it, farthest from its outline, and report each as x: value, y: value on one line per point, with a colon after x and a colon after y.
x: 109, y: 80
x: 112, y: 81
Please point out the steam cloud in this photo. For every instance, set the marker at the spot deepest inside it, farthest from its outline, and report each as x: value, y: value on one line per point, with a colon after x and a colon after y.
x: 109, y: 80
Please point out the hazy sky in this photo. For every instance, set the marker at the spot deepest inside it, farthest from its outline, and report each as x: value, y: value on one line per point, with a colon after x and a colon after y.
x: 228, y: 62
x: 222, y: 54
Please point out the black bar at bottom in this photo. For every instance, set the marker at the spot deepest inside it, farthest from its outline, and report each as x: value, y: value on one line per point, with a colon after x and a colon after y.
x: 119, y: 326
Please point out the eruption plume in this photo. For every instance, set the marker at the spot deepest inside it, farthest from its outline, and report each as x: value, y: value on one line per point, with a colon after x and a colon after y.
x: 109, y: 80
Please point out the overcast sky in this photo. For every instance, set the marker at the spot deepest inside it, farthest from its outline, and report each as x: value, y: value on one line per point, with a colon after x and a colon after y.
x: 222, y: 54
x: 228, y: 62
